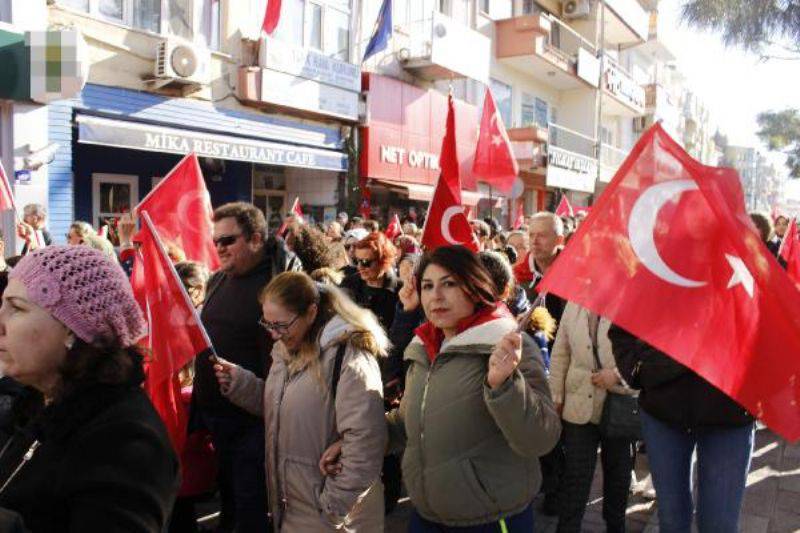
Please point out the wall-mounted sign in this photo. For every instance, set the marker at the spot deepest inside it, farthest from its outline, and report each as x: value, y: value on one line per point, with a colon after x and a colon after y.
x: 588, y: 67
x: 284, y: 57
x: 22, y: 177
x: 289, y: 91
x: 569, y: 170
x: 621, y: 85
x: 413, y: 158
x: 137, y: 136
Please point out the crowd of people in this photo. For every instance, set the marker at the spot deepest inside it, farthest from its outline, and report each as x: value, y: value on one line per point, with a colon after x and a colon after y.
x: 350, y: 368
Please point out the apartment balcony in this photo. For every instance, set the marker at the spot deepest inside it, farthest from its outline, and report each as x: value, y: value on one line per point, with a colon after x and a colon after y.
x: 548, y: 50
x: 439, y: 48
x: 571, y: 163
x: 611, y: 158
x: 623, y: 96
x: 626, y: 23
x: 532, y: 133
x: 531, y: 157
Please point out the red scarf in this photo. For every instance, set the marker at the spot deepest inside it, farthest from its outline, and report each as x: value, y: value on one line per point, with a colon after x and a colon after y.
x: 433, y: 337
x: 523, y: 272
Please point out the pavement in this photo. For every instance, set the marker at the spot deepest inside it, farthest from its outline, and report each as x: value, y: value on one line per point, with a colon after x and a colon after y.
x: 771, y: 502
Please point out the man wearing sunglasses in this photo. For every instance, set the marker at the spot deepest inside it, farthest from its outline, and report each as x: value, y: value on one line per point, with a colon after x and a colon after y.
x: 231, y: 313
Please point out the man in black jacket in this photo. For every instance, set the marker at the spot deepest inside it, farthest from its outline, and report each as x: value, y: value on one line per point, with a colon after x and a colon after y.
x: 248, y: 261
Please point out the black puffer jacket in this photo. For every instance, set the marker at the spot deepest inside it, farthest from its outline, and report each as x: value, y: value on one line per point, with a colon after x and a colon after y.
x: 670, y: 391
x: 104, y: 463
x: 380, y: 300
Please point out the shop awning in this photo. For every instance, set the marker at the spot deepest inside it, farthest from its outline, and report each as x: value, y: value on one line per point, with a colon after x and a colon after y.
x: 141, y: 136
x: 424, y: 193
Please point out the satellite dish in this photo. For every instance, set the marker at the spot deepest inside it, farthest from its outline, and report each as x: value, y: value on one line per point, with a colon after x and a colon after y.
x: 184, y: 61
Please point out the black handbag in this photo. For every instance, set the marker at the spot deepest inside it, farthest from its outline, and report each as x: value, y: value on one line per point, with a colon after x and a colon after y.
x: 620, y: 418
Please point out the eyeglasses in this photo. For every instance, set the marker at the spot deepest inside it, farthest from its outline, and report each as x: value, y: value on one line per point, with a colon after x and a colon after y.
x: 365, y: 263
x: 226, y: 240
x: 277, y: 327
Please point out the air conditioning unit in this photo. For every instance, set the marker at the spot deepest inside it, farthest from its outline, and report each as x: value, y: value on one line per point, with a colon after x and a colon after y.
x: 576, y: 9
x: 182, y: 63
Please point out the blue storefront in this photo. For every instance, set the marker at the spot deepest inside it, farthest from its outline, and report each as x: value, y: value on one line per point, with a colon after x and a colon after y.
x: 115, y: 144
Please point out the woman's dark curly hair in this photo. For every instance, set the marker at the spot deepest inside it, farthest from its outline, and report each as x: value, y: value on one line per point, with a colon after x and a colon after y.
x: 100, y: 363
x: 310, y: 246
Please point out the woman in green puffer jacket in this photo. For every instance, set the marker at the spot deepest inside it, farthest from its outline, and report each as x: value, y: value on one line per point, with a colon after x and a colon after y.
x: 477, y: 413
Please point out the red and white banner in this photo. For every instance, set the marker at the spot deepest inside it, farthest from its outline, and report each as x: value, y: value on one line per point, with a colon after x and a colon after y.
x: 669, y: 254
x: 446, y: 223
x: 180, y: 209
x: 494, y: 161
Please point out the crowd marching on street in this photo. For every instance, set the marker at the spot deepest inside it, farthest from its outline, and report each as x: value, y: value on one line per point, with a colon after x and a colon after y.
x: 323, y: 371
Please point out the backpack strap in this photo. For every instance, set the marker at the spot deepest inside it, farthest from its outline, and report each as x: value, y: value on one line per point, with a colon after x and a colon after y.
x: 337, y: 368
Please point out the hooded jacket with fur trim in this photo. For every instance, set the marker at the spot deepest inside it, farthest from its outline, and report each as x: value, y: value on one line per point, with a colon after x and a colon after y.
x: 302, y: 421
x: 471, y: 453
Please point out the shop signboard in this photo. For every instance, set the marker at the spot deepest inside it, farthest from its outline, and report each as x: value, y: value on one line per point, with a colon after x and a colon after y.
x: 137, y: 136
x: 305, y: 63
x: 289, y: 91
x: 568, y: 170
x: 402, y: 139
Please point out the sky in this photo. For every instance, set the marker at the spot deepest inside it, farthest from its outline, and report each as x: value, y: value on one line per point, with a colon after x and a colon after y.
x: 734, y: 85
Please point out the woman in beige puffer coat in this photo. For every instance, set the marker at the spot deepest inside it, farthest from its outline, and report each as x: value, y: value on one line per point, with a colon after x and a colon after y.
x: 304, y: 416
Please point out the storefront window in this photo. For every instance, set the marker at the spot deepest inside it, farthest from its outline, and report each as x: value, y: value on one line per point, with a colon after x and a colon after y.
x: 269, y: 193
x: 502, y: 97
x: 113, y: 196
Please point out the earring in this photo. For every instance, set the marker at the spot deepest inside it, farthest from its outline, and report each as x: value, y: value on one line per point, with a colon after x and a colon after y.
x: 69, y: 343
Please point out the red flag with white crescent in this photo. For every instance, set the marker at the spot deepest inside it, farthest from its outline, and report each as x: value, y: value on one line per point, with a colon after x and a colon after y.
x: 446, y: 223
x: 564, y: 208
x: 394, y: 228
x: 669, y: 254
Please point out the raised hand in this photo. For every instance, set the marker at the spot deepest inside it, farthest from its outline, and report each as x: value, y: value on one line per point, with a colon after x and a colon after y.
x: 504, y: 359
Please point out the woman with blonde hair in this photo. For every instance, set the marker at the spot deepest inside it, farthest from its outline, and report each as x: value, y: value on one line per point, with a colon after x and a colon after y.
x: 324, y: 386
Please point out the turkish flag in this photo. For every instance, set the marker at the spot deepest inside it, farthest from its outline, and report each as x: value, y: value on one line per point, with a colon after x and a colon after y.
x: 669, y: 254
x: 520, y: 220
x: 180, y: 209
x: 175, y: 334
x: 393, y: 229
x: 446, y: 223
x: 272, y: 15
x: 790, y: 252
x: 494, y: 161
x: 295, y: 211
x: 6, y: 196
x: 564, y: 208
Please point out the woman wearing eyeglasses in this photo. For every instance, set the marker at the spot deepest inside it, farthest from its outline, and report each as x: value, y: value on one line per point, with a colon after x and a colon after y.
x: 310, y: 401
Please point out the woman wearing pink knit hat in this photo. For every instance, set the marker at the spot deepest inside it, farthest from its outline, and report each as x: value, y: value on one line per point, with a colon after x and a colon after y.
x: 95, y: 456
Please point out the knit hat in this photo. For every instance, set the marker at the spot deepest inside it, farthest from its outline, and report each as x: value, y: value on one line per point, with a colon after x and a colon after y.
x: 83, y: 289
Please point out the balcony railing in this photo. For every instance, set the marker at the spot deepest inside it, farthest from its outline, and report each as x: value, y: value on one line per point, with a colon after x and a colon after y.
x: 622, y: 85
x: 571, y: 140
x: 564, y: 42
x: 611, y: 158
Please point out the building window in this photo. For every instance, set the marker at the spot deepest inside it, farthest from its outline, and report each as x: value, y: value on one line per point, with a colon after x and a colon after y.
x: 179, y: 18
x: 485, y: 6
x: 337, y: 34
x: 5, y: 11
x: 147, y: 15
x: 292, y: 24
x: 209, y: 27
x: 80, y: 5
x: 113, y: 195
x: 315, y: 26
x: 502, y: 97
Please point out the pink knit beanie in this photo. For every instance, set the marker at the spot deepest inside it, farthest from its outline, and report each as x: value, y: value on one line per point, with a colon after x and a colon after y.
x: 84, y: 290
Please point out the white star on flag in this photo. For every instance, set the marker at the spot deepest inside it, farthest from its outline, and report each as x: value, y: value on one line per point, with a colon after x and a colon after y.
x: 741, y: 276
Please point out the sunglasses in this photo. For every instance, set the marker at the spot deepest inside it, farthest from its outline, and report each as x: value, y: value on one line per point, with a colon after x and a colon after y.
x: 277, y: 327
x: 226, y: 240
x: 365, y: 263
